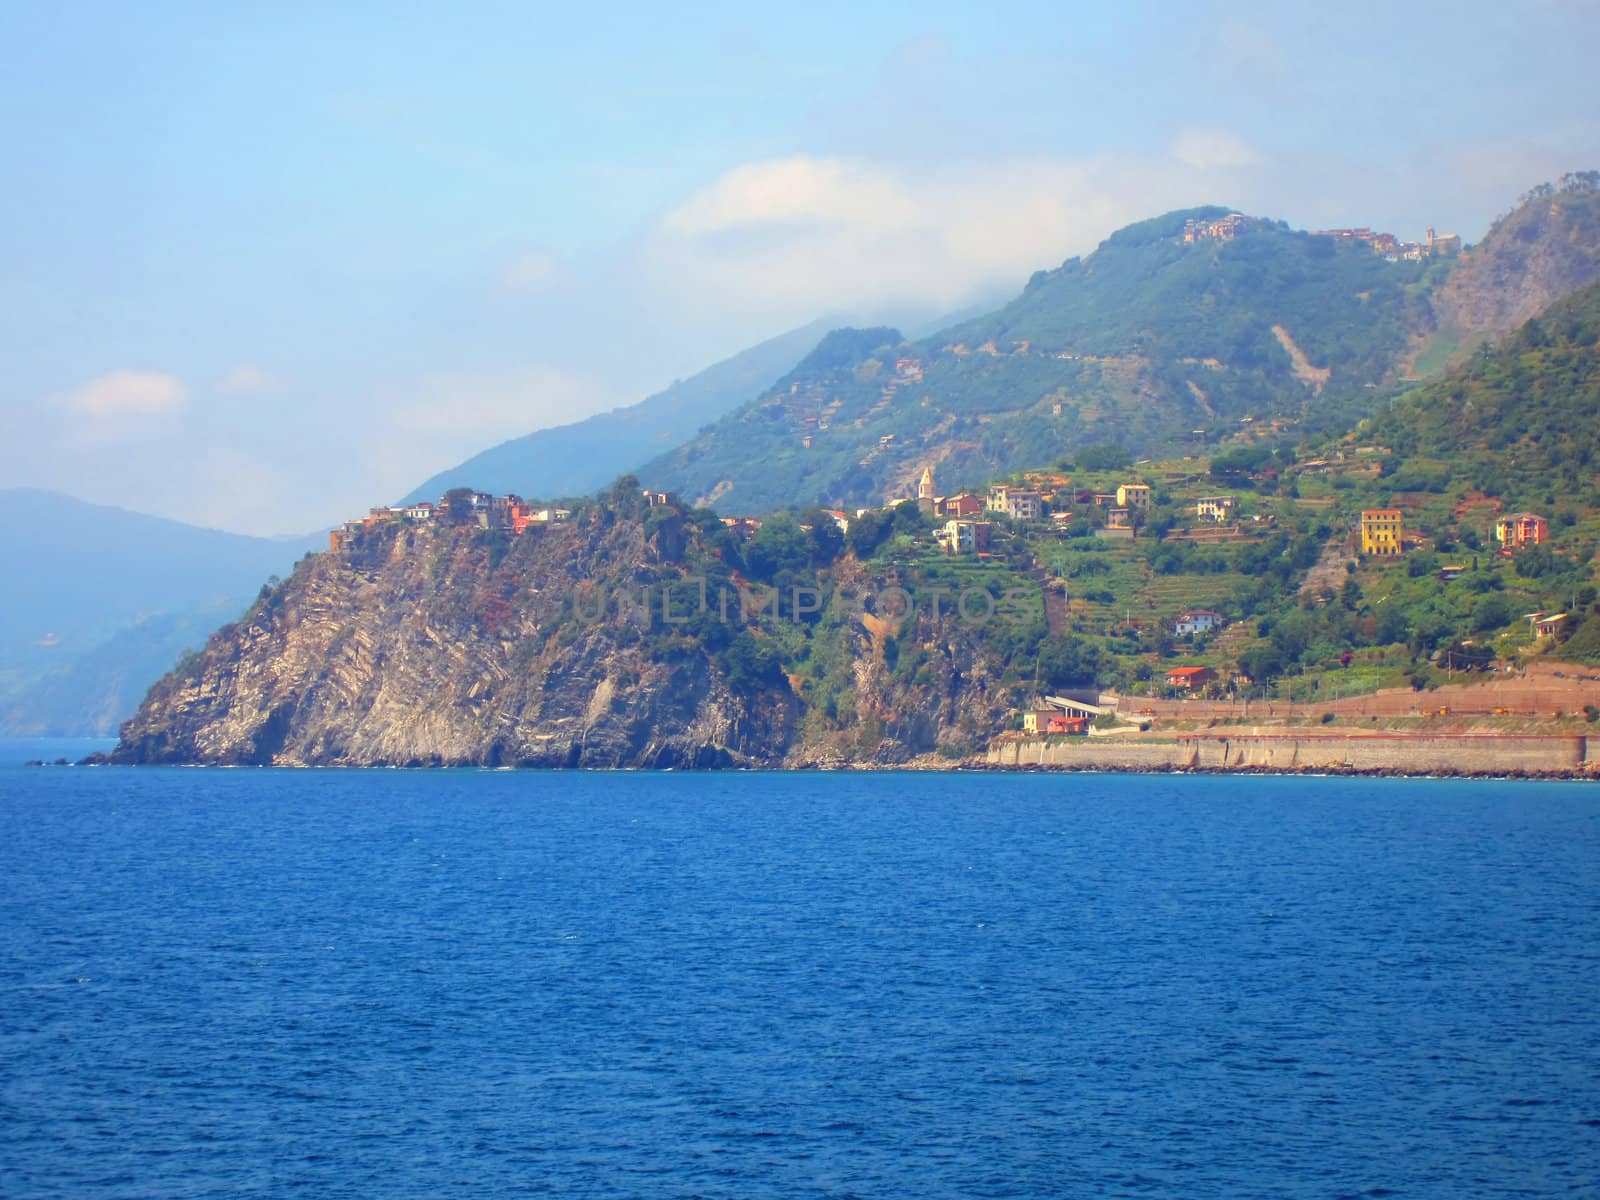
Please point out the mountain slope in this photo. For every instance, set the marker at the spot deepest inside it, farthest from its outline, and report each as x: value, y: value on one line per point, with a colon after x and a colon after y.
x: 577, y: 459
x: 1144, y: 341
x: 1521, y: 422
x: 128, y: 589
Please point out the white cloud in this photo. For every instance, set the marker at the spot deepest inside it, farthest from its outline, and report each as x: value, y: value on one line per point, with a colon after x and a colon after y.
x: 532, y: 273
x: 805, y: 191
x: 128, y: 393
x: 1213, y: 149
x: 245, y: 380
x: 783, y: 240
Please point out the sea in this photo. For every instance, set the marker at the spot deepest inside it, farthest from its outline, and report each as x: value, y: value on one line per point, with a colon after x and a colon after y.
x: 223, y: 983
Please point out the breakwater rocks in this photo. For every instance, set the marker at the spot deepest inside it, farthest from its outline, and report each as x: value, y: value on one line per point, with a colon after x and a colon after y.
x: 1552, y: 756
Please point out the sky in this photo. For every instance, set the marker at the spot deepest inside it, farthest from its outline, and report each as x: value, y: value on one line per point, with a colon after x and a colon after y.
x: 263, y: 266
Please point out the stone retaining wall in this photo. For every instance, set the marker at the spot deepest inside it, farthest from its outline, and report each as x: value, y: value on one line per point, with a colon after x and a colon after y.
x: 1468, y: 754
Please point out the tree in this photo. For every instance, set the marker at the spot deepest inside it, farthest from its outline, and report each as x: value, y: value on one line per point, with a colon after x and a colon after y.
x: 827, y: 539
x: 751, y: 664
x: 1107, y: 456
x: 1464, y: 656
x: 1535, y: 562
x: 1068, y: 662
x: 779, y: 545
x: 1491, y: 612
x: 1261, y: 662
x: 867, y: 533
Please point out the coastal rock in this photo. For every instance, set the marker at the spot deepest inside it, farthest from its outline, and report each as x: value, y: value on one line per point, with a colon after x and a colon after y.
x: 450, y: 646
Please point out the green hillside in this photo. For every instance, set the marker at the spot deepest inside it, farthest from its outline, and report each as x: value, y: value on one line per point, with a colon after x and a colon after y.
x: 1144, y: 341
x: 1307, y: 615
x: 1521, y: 423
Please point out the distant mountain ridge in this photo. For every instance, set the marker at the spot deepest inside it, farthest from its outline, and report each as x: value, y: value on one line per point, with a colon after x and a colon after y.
x: 576, y: 459
x: 98, y: 601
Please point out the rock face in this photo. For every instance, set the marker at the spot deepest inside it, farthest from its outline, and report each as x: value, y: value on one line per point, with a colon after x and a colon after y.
x: 448, y: 646
x: 415, y: 647
x: 1546, y: 248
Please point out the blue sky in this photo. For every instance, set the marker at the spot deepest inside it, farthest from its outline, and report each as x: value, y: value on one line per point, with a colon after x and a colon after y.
x: 263, y: 265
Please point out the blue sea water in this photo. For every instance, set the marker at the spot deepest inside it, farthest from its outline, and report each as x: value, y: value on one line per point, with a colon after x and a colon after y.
x: 485, y: 984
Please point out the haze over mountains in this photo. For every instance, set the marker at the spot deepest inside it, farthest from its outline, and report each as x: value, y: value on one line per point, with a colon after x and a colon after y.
x: 99, y: 601
x: 575, y: 459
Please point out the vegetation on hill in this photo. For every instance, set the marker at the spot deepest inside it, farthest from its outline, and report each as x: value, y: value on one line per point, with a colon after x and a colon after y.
x: 1149, y: 338
x: 1151, y: 341
x: 1307, y: 614
x: 1082, y: 371
x: 1521, y: 423
x: 682, y: 643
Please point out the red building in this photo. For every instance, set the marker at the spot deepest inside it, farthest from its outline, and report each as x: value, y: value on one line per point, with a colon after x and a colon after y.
x: 964, y: 505
x: 1190, y: 679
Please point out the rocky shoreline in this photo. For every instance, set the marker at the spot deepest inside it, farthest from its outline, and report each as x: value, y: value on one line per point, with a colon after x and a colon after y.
x: 1588, y: 772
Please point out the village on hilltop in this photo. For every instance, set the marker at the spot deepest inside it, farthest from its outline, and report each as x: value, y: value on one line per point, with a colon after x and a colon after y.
x: 510, y: 513
x: 1386, y: 245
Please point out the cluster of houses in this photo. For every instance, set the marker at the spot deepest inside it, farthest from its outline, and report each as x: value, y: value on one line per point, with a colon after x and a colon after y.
x: 1224, y: 229
x: 1219, y: 229
x: 510, y: 512
x: 1392, y: 248
x: 966, y: 529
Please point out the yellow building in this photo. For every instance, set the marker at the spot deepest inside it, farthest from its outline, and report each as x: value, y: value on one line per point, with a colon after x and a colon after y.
x: 1382, y: 532
x: 1133, y: 495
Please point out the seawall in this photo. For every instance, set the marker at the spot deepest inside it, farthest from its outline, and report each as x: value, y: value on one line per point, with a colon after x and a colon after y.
x: 1397, y: 753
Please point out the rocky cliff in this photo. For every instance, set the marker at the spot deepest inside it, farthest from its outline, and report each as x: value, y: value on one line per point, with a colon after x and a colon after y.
x: 1546, y: 248
x: 449, y: 645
